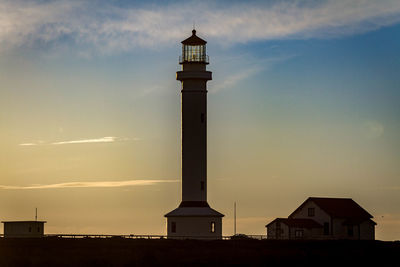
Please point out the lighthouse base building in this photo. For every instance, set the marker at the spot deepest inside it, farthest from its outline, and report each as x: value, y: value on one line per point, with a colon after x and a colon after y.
x: 194, y: 222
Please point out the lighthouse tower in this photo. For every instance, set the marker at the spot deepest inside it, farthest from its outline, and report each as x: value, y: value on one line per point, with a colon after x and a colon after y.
x: 194, y: 218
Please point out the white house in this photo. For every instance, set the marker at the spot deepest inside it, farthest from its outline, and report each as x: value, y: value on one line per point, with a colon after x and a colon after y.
x: 24, y: 228
x: 324, y: 218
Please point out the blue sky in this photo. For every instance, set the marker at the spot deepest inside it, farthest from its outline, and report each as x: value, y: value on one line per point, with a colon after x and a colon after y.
x: 303, y: 102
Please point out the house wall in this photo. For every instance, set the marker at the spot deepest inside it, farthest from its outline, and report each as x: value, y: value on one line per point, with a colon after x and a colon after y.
x: 364, y: 231
x: 320, y: 215
x: 290, y: 232
x: 194, y: 227
x: 367, y: 230
x: 340, y: 230
x: 308, y: 233
x: 317, y: 233
x: 273, y: 234
x: 23, y: 229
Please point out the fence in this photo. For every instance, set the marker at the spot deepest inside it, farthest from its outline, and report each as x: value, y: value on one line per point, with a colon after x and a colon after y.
x: 132, y: 236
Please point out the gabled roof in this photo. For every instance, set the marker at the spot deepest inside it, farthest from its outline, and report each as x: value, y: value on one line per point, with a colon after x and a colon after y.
x: 338, y: 207
x: 299, y: 223
x: 194, y: 40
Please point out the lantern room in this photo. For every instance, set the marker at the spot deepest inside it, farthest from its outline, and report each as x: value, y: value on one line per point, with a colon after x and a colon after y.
x: 193, y: 50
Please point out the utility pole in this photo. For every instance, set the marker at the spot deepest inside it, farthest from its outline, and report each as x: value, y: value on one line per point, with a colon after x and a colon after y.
x: 234, y: 218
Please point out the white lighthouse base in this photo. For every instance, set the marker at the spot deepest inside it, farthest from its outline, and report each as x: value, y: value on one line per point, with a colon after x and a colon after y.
x: 194, y: 223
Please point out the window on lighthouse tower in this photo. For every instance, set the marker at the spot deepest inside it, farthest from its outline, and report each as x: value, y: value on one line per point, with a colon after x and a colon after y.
x: 212, y: 227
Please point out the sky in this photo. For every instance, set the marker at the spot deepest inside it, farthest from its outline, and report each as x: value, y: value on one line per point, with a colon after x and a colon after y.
x: 303, y: 102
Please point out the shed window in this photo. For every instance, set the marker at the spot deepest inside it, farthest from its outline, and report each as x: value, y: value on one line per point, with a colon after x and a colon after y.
x: 202, y: 117
x: 311, y: 212
x: 202, y: 186
x: 30, y: 229
x: 212, y: 227
x: 173, y: 227
x: 38, y: 229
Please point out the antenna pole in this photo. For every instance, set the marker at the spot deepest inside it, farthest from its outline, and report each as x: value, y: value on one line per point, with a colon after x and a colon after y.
x: 36, y: 214
x: 234, y: 218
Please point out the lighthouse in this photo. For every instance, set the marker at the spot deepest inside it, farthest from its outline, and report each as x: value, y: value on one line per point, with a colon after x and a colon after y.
x: 194, y: 218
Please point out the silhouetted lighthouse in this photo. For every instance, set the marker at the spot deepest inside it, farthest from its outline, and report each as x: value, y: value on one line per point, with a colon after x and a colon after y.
x: 194, y: 217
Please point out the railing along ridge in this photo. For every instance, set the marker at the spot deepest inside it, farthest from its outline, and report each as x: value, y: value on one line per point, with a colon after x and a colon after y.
x: 134, y: 236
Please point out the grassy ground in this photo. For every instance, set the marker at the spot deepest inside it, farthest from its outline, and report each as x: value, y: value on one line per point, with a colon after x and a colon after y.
x: 136, y: 252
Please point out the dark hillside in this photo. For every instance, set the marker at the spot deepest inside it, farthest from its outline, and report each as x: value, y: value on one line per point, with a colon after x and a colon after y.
x: 142, y: 252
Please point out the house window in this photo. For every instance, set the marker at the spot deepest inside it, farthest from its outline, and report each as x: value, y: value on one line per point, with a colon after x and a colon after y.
x: 311, y: 212
x: 299, y: 233
x: 202, y: 185
x: 202, y: 117
x: 326, y: 228
x: 173, y: 227
x: 212, y: 227
x: 350, y: 231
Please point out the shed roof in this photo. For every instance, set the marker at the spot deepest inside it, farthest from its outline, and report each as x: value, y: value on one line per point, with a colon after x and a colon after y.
x: 338, y: 207
x: 194, y: 40
x: 300, y: 223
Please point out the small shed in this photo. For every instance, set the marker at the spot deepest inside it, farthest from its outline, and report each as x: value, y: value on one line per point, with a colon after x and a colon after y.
x: 23, y: 228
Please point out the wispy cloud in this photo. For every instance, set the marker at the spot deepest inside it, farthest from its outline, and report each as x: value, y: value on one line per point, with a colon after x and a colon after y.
x: 106, y: 139
x: 88, y: 184
x: 28, y: 144
x: 249, y: 66
x: 231, y: 80
x: 109, y: 28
